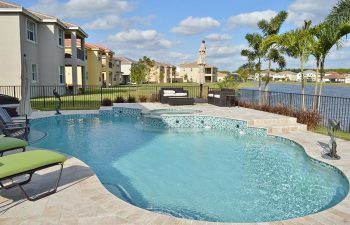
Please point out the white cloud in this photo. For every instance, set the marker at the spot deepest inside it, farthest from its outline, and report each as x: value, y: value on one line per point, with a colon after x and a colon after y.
x: 195, y: 25
x: 218, y: 37
x: 316, y: 11
x: 82, y: 8
x: 112, y: 21
x: 142, y: 39
x: 250, y: 19
x: 224, y: 51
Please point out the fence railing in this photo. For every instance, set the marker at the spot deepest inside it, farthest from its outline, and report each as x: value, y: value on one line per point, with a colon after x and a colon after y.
x: 329, y: 107
x: 90, y: 97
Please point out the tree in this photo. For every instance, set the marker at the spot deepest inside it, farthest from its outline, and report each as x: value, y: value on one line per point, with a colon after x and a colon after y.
x: 271, y: 54
x: 161, y: 77
x: 228, y: 82
x: 297, y: 44
x: 253, y: 54
x: 138, y: 73
x: 328, y: 36
x: 340, y: 13
x: 141, y: 70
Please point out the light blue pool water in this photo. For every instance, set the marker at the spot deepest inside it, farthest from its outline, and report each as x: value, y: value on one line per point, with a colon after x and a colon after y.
x: 198, y: 174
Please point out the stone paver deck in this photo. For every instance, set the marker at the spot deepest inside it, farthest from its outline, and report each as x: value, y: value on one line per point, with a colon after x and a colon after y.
x: 82, y: 199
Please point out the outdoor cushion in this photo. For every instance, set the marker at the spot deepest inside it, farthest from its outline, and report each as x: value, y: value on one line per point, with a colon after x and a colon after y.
x: 180, y: 94
x: 169, y: 92
x: 210, y: 95
x: 216, y: 96
x: 26, y: 161
x: 11, y: 143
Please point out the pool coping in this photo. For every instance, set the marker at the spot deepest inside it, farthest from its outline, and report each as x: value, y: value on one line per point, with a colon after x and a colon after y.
x: 338, y: 214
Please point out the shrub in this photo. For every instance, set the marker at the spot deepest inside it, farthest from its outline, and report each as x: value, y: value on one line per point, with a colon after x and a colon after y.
x: 119, y: 99
x: 106, y: 102
x: 142, y: 98
x: 131, y: 99
x: 154, y: 98
x: 308, y: 117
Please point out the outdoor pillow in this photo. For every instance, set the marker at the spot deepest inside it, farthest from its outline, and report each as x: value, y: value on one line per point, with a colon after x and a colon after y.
x: 216, y: 96
x: 180, y: 94
x: 167, y: 95
x: 169, y: 92
x: 210, y: 95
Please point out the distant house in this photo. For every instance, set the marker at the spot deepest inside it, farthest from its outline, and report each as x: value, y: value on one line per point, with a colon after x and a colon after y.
x: 347, y: 79
x: 126, y: 64
x: 285, y: 76
x: 190, y: 72
x: 221, y: 76
x: 334, y: 77
x: 309, y: 76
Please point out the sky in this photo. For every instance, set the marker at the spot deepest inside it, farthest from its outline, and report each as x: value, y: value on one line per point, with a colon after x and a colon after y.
x: 171, y: 31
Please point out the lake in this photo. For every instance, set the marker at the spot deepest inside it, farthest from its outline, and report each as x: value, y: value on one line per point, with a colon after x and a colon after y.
x: 309, y: 89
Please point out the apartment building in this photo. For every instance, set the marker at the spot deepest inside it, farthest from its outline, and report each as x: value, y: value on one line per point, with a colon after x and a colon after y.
x: 162, y: 73
x: 40, y: 39
x: 190, y: 72
x: 125, y: 67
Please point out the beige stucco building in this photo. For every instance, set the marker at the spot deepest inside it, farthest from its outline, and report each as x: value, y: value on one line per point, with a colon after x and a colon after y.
x: 162, y: 73
x: 40, y: 39
x: 190, y: 72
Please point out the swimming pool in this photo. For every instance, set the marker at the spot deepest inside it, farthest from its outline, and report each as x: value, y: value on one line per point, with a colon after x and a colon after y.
x: 204, y: 174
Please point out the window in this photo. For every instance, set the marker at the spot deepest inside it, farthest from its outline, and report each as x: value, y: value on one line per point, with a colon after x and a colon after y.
x: 61, y: 75
x: 115, y: 78
x: 34, y: 73
x: 31, y: 31
x: 60, y: 37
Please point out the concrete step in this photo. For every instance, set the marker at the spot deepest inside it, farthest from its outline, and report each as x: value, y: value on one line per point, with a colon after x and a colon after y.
x: 272, y: 122
x: 286, y: 128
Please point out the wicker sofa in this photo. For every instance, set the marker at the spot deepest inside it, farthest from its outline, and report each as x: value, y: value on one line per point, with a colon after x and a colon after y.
x: 218, y: 97
x: 166, y: 93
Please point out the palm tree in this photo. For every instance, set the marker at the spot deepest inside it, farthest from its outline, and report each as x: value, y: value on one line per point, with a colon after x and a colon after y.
x: 297, y: 44
x: 271, y: 28
x: 328, y: 36
x: 340, y: 13
x: 253, y: 54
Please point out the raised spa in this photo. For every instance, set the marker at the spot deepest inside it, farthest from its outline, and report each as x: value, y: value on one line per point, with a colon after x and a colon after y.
x: 208, y: 174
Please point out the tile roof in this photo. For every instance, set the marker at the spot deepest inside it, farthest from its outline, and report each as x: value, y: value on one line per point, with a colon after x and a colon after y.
x: 124, y: 59
x: 193, y: 65
x: 4, y: 4
x: 43, y: 16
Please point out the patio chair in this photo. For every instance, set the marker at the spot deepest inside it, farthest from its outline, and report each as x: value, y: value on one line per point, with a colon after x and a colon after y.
x: 7, y: 119
x: 10, y: 144
x: 14, y: 130
x: 27, y: 163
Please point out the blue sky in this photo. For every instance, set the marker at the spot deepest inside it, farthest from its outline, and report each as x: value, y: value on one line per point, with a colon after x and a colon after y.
x: 171, y: 31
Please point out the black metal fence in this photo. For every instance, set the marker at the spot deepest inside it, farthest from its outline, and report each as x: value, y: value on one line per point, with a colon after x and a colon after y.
x: 90, y: 97
x: 329, y: 107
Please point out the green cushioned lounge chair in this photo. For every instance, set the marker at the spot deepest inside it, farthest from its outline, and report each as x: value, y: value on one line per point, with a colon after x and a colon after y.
x: 9, y: 144
x: 27, y: 163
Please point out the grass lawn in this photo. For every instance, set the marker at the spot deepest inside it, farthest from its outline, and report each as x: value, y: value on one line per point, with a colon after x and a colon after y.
x: 92, y: 96
x: 339, y: 134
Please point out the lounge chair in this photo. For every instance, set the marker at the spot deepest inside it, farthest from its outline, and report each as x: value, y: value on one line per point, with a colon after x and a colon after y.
x: 7, y: 119
x: 14, y: 130
x: 27, y: 163
x: 9, y: 144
